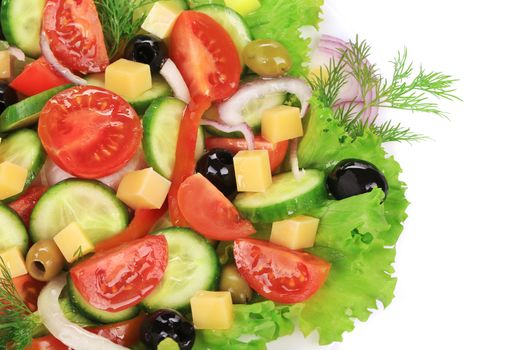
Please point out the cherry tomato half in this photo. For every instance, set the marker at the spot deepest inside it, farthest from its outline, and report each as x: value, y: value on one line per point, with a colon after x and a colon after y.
x: 24, y: 205
x: 277, y: 273
x: 122, y: 277
x: 37, y: 77
x: 89, y: 132
x: 28, y: 289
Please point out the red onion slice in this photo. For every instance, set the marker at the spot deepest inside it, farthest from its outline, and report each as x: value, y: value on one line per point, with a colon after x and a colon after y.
x: 171, y: 73
x: 53, y: 61
x: 243, y: 128
x: 17, y: 53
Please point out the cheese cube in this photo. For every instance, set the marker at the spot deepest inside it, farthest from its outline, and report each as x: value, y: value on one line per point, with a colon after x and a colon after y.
x: 143, y: 189
x: 281, y: 123
x: 73, y: 243
x: 252, y: 171
x: 12, y: 179
x: 128, y: 79
x: 14, y: 261
x: 212, y: 310
x: 295, y: 233
x: 5, y: 65
x: 243, y: 7
x: 161, y: 18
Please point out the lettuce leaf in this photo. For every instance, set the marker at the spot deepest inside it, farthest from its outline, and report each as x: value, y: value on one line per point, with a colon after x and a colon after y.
x: 280, y: 20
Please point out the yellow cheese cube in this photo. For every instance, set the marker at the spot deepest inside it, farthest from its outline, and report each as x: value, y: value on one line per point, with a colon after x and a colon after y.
x: 281, y: 123
x: 128, y: 79
x: 14, y: 261
x: 252, y: 171
x: 161, y: 18
x: 143, y: 189
x: 243, y: 7
x: 5, y: 65
x: 73, y: 243
x: 212, y: 310
x: 12, y: 179
x: 295, y: 233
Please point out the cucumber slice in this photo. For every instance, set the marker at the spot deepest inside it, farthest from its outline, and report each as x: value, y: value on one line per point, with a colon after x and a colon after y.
x: 91, y: 204
x: 232, y: 22
x: 161, y: 129
x: 192, y: 266
x: 12, y: 230
x: 73, y: 314
x: 285, y: 197
x: 24, y: 149
x: 26, y: 112
x: 21, y: 23
x: 95, y: 314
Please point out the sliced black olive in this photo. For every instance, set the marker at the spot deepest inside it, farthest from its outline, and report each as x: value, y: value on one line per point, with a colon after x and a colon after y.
x: 217, y: 166
x: 8, y: 97
x: 167, y: 324
x: 147, y: 49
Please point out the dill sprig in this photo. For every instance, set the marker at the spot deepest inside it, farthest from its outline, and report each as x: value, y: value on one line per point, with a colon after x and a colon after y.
x: 119, y: 21
x: 17, y: 323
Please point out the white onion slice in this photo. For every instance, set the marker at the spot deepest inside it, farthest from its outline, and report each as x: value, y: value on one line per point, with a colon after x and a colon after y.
x: 53, y: 61
x: 17, y: 53
x: 171, y: 73
x: 61, y: 328
x: 243, y: 128
x: 231, y: 111
x: 294, y: 160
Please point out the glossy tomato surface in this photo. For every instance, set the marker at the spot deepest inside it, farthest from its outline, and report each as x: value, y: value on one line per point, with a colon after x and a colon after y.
x: 37, y: 77
x: 277, y: 273
x: 24, y: 205
x: 28, y: 289
x: 122, y: 277
x: 89, y: 132
x: 209, y: 212
x: 75, y: 35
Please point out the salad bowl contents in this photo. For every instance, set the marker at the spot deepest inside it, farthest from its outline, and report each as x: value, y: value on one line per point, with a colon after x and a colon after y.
x: 195, y: 174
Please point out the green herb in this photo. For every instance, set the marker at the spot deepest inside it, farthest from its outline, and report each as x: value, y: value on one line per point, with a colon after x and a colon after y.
x: 17, y: 323
x: 119, y: 21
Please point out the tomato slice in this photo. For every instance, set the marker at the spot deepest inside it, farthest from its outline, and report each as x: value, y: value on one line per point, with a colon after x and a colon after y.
x: 24, y: 205
x: 75, y: 35
x: 37, y: 77
x: 209, y: 212
x: 277, y: 273
x: 277, y: 152
x: 29, y: 289
x: 89, y: 132
x: 123, y: 276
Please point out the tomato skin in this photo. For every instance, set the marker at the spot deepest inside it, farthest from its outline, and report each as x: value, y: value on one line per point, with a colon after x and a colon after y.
x: 139, y: 266
x: 24, y: 205
x: 278, y: 273
x: 209, y: 212
x: 28, y: 288
x: 37, y: 77
x: 89, y: 132
x: 75, y: 35
x: 277, y: 152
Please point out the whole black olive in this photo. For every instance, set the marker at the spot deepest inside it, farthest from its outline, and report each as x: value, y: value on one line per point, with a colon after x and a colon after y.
x: 352, y: 177
x: 167, y: 324
x: 217, y: 166
x: 8, y: 97
x: 147, y: 49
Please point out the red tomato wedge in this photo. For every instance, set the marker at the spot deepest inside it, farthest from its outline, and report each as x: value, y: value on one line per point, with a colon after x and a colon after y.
x: 277, y: 152
x: 210, y: 65
x: 75, y: 35
x: 28, y: 288
x: 125, y: 333
x: 24, y: 205
x: 89, y: 132
x: 209, y: 212
x: 37, y: 77
x: 277, y: 273
x: 123, y: 276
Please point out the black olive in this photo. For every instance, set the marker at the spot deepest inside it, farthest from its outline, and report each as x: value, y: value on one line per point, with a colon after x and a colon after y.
x: 147, y: 49
x: 167, y: 324
x: 217, y: 166
x: 8, y: 97
x: 352, y: 177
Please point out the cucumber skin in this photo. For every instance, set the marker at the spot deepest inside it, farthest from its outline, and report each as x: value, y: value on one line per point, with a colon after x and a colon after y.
x: 94, y: 314
x: 25, y: 240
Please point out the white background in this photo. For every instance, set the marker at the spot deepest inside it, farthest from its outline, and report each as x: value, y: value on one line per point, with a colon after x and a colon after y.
x: 461, y: 258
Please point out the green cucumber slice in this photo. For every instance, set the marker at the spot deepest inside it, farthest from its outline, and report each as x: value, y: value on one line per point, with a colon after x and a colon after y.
x: 26, y: 112
x: 161, y: 129
x: 24, y: 149
x: 12, y: 230
x: 91, y: 204
x: 21, y: 23
x: 285, y: 197
x: 192, y: 266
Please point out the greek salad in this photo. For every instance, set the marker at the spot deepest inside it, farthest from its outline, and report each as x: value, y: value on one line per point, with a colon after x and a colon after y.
x: 201, y: 174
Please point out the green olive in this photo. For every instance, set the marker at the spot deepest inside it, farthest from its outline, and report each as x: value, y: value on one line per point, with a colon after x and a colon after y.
x: 225, y: 252
x: 44, y: 260
x: 231, y: 281
x: 267, y: 57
